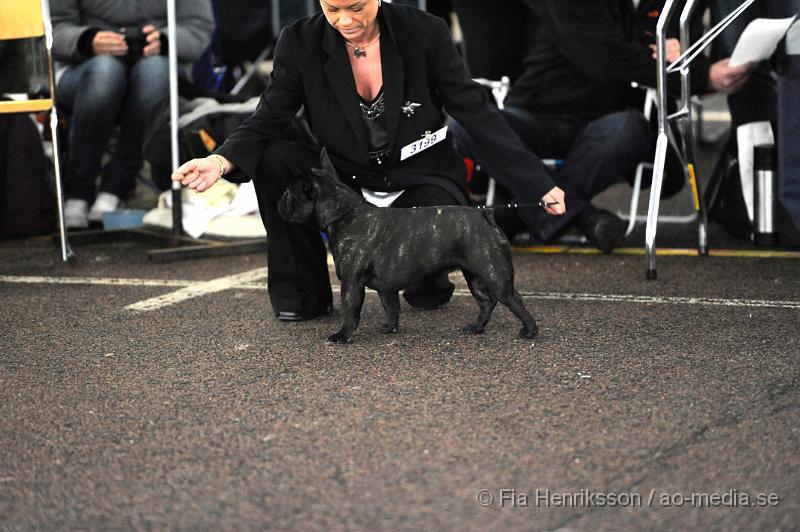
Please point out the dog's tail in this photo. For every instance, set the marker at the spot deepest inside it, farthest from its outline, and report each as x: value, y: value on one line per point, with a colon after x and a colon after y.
x: 488, y: 214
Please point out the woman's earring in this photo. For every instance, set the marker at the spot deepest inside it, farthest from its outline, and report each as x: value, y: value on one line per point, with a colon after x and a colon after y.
x: 379, y: 3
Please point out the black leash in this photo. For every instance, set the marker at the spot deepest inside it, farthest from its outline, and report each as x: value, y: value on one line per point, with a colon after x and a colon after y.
x: 542, y: 204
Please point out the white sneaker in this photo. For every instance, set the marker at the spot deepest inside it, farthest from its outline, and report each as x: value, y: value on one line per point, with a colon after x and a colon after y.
x: 75, y: 211
x: 105, y: 202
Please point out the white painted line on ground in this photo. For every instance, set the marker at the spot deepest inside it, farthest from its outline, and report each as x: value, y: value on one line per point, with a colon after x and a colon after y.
x: 198, y: 289
x: 659, y: 300
x: 93, y: 280
x: 646, y: 300
x: 247, y: 281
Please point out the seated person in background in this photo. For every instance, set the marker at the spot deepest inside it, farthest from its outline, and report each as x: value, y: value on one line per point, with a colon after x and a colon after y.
x: 373, y: 79
x: 573, y: 101
x: 114, y: 77
x: 758, y: 100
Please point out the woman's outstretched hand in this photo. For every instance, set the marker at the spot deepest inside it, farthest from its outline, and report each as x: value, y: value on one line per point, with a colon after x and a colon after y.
x: 201, y: 174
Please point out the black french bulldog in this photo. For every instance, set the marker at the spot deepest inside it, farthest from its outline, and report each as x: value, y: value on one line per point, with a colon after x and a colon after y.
x: 390, y: 249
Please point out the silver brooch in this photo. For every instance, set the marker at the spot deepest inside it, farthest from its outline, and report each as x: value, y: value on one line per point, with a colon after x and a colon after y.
x: 409, y: 108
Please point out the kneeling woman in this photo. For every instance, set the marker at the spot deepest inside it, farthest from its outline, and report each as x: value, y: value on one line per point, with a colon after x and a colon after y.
x: 374, y: 80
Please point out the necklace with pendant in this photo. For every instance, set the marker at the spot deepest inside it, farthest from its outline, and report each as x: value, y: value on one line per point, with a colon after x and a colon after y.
x: 361, y: 51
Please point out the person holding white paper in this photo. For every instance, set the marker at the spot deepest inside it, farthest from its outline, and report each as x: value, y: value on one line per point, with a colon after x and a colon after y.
x: 574, y: 102
x: 764, y: 100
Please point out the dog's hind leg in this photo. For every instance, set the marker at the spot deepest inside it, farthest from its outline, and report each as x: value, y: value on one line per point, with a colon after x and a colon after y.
x: 391, y: 305
x: 515, y: 305
x: 486, y: 302
x: 352, y: 299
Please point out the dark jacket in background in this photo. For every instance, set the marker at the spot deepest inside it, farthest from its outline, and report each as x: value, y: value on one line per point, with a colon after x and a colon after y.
x: 583, y: 55
x: 494, y: 37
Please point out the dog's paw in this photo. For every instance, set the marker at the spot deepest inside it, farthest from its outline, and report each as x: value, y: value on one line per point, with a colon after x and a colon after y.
x: 340, y: 338
x: 529, y: 332
x: 388, y: 329
x: 472, y: 328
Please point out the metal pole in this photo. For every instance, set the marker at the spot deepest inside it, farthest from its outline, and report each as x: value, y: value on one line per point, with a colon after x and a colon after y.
x: 174, y: 114
x: 685, y: 124
x: 66, y: 250
x: 662, y: 142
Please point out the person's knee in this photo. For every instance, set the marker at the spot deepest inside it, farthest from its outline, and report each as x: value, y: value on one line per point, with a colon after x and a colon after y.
x: 631, y: 136
x: 149, y: 83
x: 638, y: 131
x: 150, y: 76
x: 105, y: 77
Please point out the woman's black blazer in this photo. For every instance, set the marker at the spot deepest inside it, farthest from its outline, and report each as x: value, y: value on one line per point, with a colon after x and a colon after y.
x: 420, y: 66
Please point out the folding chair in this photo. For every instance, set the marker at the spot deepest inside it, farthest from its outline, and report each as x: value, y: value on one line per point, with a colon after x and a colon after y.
x: 30, y: 19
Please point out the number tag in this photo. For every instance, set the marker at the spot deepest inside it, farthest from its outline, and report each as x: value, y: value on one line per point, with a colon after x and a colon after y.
x: 423, y: 144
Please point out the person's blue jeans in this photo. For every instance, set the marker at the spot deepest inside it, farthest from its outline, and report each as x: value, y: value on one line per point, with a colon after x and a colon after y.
x: 595, y: 155
x: 97, y: 94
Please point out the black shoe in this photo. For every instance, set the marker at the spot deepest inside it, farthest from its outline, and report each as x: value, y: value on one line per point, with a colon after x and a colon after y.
x: 603, y: 229
x: 293, y: 315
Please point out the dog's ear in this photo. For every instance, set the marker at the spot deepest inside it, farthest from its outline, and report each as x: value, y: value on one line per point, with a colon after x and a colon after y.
x: 325, y: 162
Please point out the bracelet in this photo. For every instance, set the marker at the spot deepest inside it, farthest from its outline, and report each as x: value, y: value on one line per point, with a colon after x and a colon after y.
x: 220, y: 162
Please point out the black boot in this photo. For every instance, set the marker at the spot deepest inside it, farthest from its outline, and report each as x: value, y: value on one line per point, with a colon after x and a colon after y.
x: 604, y: 230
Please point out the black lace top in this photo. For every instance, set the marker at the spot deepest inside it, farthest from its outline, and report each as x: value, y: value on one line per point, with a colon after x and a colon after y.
x: 372, y: 114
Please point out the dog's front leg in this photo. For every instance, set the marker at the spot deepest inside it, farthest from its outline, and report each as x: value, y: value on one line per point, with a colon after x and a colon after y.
x: 352, y: 299
x: 391, y: 305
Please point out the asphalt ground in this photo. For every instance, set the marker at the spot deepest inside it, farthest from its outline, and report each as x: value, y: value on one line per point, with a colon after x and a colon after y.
x: 136, y: 395
x: 144, y: 396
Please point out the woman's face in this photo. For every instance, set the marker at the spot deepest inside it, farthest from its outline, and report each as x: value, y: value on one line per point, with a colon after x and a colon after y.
x: 355, y: 19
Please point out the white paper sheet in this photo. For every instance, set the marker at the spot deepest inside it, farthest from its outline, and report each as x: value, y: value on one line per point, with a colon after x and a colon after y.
x: 760, y: 39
